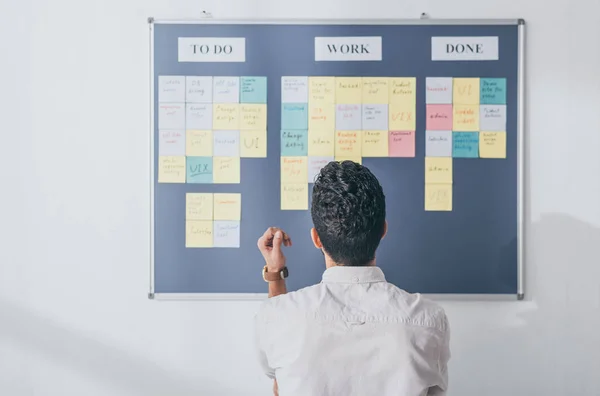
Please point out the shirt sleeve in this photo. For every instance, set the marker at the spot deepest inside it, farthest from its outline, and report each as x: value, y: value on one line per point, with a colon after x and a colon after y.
x: 444, y: 358
x: 260, y: 330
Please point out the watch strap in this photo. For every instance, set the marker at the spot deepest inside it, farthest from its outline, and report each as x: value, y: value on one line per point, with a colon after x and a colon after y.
x: 275, y: 276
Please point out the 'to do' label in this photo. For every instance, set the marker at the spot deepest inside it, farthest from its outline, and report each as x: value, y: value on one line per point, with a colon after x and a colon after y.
x: 212, y: 49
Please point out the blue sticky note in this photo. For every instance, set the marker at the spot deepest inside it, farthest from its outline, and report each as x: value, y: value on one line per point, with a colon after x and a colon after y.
x: 465, y: 144
x: 294, y: 143
x: 294, y: 116
x: 493, y: 90
x: 199, y: 169
x: 226, y: 234
x: 253, y: 90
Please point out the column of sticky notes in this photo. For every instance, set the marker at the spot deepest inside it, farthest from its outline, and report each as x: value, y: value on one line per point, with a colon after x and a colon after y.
x: 212, y: 220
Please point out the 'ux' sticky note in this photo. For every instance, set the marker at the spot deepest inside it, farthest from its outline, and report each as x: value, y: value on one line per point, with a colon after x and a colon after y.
x: 253, y: 116
x: 226, y: 170
x: 228, y: 206
x: 226, y: 116
x: 294, y: 143
x: 198, y: 234
x: 294, y: 170
x: 294, y: 196
x: 375, y: 144
x: 438, y: 197
x: 465, y: 144
x: 198, y: 143
x: 348, y: 90
x: 401, y: 144
x: 438, y: 170
x: 199, y: 169
x: 401, y: 118
x: 253, y: 90
x: 375, y: 90
x: 198, y: 206
x: 321, y: 143
x: 465, y: 91
x: 492, y: 144
x: 465, y: 118
x: 253, y: 144
x: 171, y: 169
x: 294, y: 116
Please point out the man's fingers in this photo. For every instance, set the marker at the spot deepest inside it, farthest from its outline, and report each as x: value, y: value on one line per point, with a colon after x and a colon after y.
x: 269, y: 235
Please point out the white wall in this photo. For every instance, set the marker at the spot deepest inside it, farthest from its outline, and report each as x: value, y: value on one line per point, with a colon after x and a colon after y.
x: 74, y: 317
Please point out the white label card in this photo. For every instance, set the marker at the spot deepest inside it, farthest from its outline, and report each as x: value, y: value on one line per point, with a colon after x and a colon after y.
x: 212, y: 49
x: 464, y: 48
x: 348, y: 48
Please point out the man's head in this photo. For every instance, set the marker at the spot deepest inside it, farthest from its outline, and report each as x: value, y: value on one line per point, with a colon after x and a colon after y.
x: 348, y: 212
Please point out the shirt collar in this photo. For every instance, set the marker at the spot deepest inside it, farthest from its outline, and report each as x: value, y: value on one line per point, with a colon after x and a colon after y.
x: 341, y: 274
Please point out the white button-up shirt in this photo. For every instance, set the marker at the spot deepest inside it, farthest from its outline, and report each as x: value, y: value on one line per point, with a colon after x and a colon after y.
x: 354, y: 334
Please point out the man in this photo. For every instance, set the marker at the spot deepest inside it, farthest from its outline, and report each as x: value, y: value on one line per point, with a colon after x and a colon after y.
x: 353, y: 333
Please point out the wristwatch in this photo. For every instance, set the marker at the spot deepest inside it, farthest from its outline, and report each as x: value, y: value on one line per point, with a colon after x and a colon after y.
x: 274, y: 276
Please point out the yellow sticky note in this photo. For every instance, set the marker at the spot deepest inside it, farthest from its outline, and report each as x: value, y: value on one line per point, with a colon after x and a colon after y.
x: 198, y: 143
x: 253, y: 116
x: 342, y: 158
x: 198, y: 234
x: 321, y: 143
x: 375, y: 90
x: 465, y: 91
x: 375, y: 144
x: 198, y: 206
x: 171, y: 169
x: 321, y: 89
x: 226, y: 116
x: 226, y: 170
x: 403, y: 91
x: 321, y: 116
x: 438, y: 170
x: 228, y: 206
x: 253, y: 144
x: 492, y: 144
x: 348, y: 90
x: 294, y: 170
x: 465, y: 118
x: 348, y: 144
x: 401, y: 118
x: 294, y: 196
x: 438, y: 197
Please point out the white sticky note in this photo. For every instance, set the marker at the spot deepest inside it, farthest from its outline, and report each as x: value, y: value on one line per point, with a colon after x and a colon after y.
x: 438, y: 143
x: 171, y: 116
x: 198, y: 89
x: 226, y: 90
x: 375, y: 117
x: 226, y: 143
x: 315, y: 164
x: 226, y: 234
x: 171, y: 142
x: 438, y: 90
x: 348, y: 117
x: 294, y: 89
x: 492, y: 118
x: 198, y: 116
x: 171, y: 89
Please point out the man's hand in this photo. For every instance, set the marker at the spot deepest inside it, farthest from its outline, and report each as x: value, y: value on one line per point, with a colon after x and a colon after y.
x: 270, y: 246
x: 275, y: 388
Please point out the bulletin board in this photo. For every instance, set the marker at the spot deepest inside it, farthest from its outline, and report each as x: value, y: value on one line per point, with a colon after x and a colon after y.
x: 245, y: 113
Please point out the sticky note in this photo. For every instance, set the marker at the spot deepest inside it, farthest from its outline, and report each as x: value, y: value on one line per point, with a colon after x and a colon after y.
x: 438, y: 143
x: 401, y: 118
x: 348, y: 90
x: 198, y: 116
x: 294, y: 89
x: 403, y: 91
x: 198, y: 206
x: 492, y: 118
x: 401, y: 143
x: 226, y: 234
x: 465, y: 118
x: 375, y: 90
x: 198, y: 143
x: 226, y: 170
x: 438, y: 170
x: 438, y: 90
x: 227, y: 206
x: 171, y: 142
x: 493, y: 90
x: 198, y: 234
x: 465, y: 144
x: 294, y: 143
x: 321, y: 143
x: 171, y: 89
x: 294, y: 170
x: 438, y: 197
x: 348, y: 144
x: 171, y: 116
x: 321, y: 116
x: 171, y: 169
x: 226, y: 116
x: 253, y: 144
x: 199, y: 169
x: 375, y: 117
x: 294, y: 116
x: 226, y: 90
x: 315, y: 164
x: 342, y: 158
x: 253, y: 90
x: 294, y: 196
x: 321, y: 89
x: 492, y: 144
x: 253, y: 116
x: 439, y: 117
x: 375, y: 144
x: 226, y: 143
x: 198, y: 89
x: 348, y: 117
x: 465, y: 91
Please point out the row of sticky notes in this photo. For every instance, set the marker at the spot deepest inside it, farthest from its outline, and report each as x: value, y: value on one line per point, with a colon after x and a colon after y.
x: 465, y: 144
x: 212, y: 220
x: 181, y: 169
x: 208, y: 89
x: 209, y: 206
x: 212, y: 116
x: 465, y: 91
x: 444, y: 117
x: 246, y: 143
x: 438, y: 183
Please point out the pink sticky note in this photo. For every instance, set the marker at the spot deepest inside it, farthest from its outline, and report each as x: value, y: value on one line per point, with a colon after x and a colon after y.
x: 439, y: 117
x: 402, y: 143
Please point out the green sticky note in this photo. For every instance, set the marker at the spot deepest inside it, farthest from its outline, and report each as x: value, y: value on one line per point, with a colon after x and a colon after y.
x: 253, y: 90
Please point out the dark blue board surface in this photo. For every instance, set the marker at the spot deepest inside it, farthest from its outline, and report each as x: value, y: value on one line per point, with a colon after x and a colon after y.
x: 470, y: 250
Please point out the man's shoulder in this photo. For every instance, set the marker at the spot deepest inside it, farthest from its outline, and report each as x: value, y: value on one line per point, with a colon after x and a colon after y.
x: 418, y: 309
x: 291, y: 302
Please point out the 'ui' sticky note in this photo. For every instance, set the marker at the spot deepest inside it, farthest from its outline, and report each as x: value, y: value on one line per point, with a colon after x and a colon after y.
x: 403, y: 91
x: 348, y: 144
x: 226, y: 90
x: 226, y: 234
x: 438, y: 90
x: 465, y: 118
x: 375, y: 144
x: 171, y: 142
x: 171, y: 89
x: 401, y: 118
x: 198, y: 206
x: 171, y: 169
x: 198, y: 89
x: 321, y: 89
x: 199, y: 170
x: 375, y: 90
x: 401, y: 144
x: 438, y: 170
x: 226, y: 143
x: 438, y: 143
x: 253, y: 90
x: 294, y: 143
x: 294, y: 116
x: 198, y: 143
x: 439, y: 117
x: 198, y: 234
x: 253, y: 116
x: 492, y: 144
x: 493, y: 91
x: 171, y: 116
x: 294, y: 89
x: 465, y: 144
x: 226, y: 116
x: 253, y: 144
x: 492, y: 118
x: 438, y: 197
x: 294, y: 170
x: 348, y: 117
x: 228, y: 206
x: 315, y: 164
x: 294, y: 196
x: 198, y: 116
x: 375, y: 117
x: 321, y: 116
x: 348, y: 90
x: 226, y: 170
x: 465, y: 91
x: 321, y: 143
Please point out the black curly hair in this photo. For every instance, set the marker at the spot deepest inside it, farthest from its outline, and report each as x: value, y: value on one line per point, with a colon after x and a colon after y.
x: 348, y: 212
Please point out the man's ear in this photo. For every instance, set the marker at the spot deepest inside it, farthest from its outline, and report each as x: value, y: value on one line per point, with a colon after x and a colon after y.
x: 384, y: 230
x: 315, y: 238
